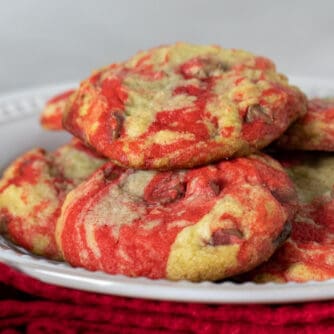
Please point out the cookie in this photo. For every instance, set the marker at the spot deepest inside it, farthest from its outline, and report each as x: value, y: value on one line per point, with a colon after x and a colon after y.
x: 314, y: 131
x: 51, y: 117
x: 33, y: 189
x: 183, y: 105
x: 307, y: 254
x: 200, y: 224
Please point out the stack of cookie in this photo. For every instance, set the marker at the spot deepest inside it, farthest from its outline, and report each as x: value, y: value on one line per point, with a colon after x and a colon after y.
x: 165, y: 179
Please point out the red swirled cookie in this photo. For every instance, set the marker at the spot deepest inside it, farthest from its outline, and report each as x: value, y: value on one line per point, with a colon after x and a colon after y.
x: 206, y: 223
x: 308, y: 253
x: 183, y: 105
x: 33, y: 189
x: 313, y: 131
x: 51, y: 117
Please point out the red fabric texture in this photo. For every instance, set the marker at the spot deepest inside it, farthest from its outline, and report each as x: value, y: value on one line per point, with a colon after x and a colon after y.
x: 28, y: 305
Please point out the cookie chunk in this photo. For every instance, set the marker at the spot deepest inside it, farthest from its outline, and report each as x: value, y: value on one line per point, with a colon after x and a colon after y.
x: 308, y: 253
x: 314, y: 131
x: 201, y: 224
x: 51, y: 117
x: 183, y: 105
x: 33, y: 189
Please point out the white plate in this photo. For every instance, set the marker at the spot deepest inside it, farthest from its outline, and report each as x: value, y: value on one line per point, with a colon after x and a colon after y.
x: 20, y: 131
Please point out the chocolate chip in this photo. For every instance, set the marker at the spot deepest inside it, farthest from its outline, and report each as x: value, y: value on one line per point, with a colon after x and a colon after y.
x: 119, y: 118
x: 111, y: 173
x: 283, y: 235
x: 284, y: 195
x: 4, y: 221
x: 206, y: 68
x: 214, y: 67
x: 168, y: 189
x: 258, y: 112
x: 215, y: 187
x: 227, y: 236
x: 168, y: 195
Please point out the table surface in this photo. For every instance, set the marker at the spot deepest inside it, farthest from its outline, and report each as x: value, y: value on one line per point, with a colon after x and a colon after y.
x: 46, y: 42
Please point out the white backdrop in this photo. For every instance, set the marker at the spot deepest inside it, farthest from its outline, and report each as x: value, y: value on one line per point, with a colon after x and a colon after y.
x: 45, y: 42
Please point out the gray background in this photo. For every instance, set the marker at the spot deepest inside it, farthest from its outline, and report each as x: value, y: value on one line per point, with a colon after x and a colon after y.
x: 47, y: 42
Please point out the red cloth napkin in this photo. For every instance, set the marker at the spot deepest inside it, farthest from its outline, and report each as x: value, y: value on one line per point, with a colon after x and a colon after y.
x: 28, y: 305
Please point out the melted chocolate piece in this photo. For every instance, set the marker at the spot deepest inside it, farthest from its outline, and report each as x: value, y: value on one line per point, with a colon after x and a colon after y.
x: 112, y: 173
x: 215, y: 187
x: 257, y: 112
x: 227, y: 236
x: 119, y: 117
x: 169, y: 189
x: 4, y: 220
x: 279, y: 241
